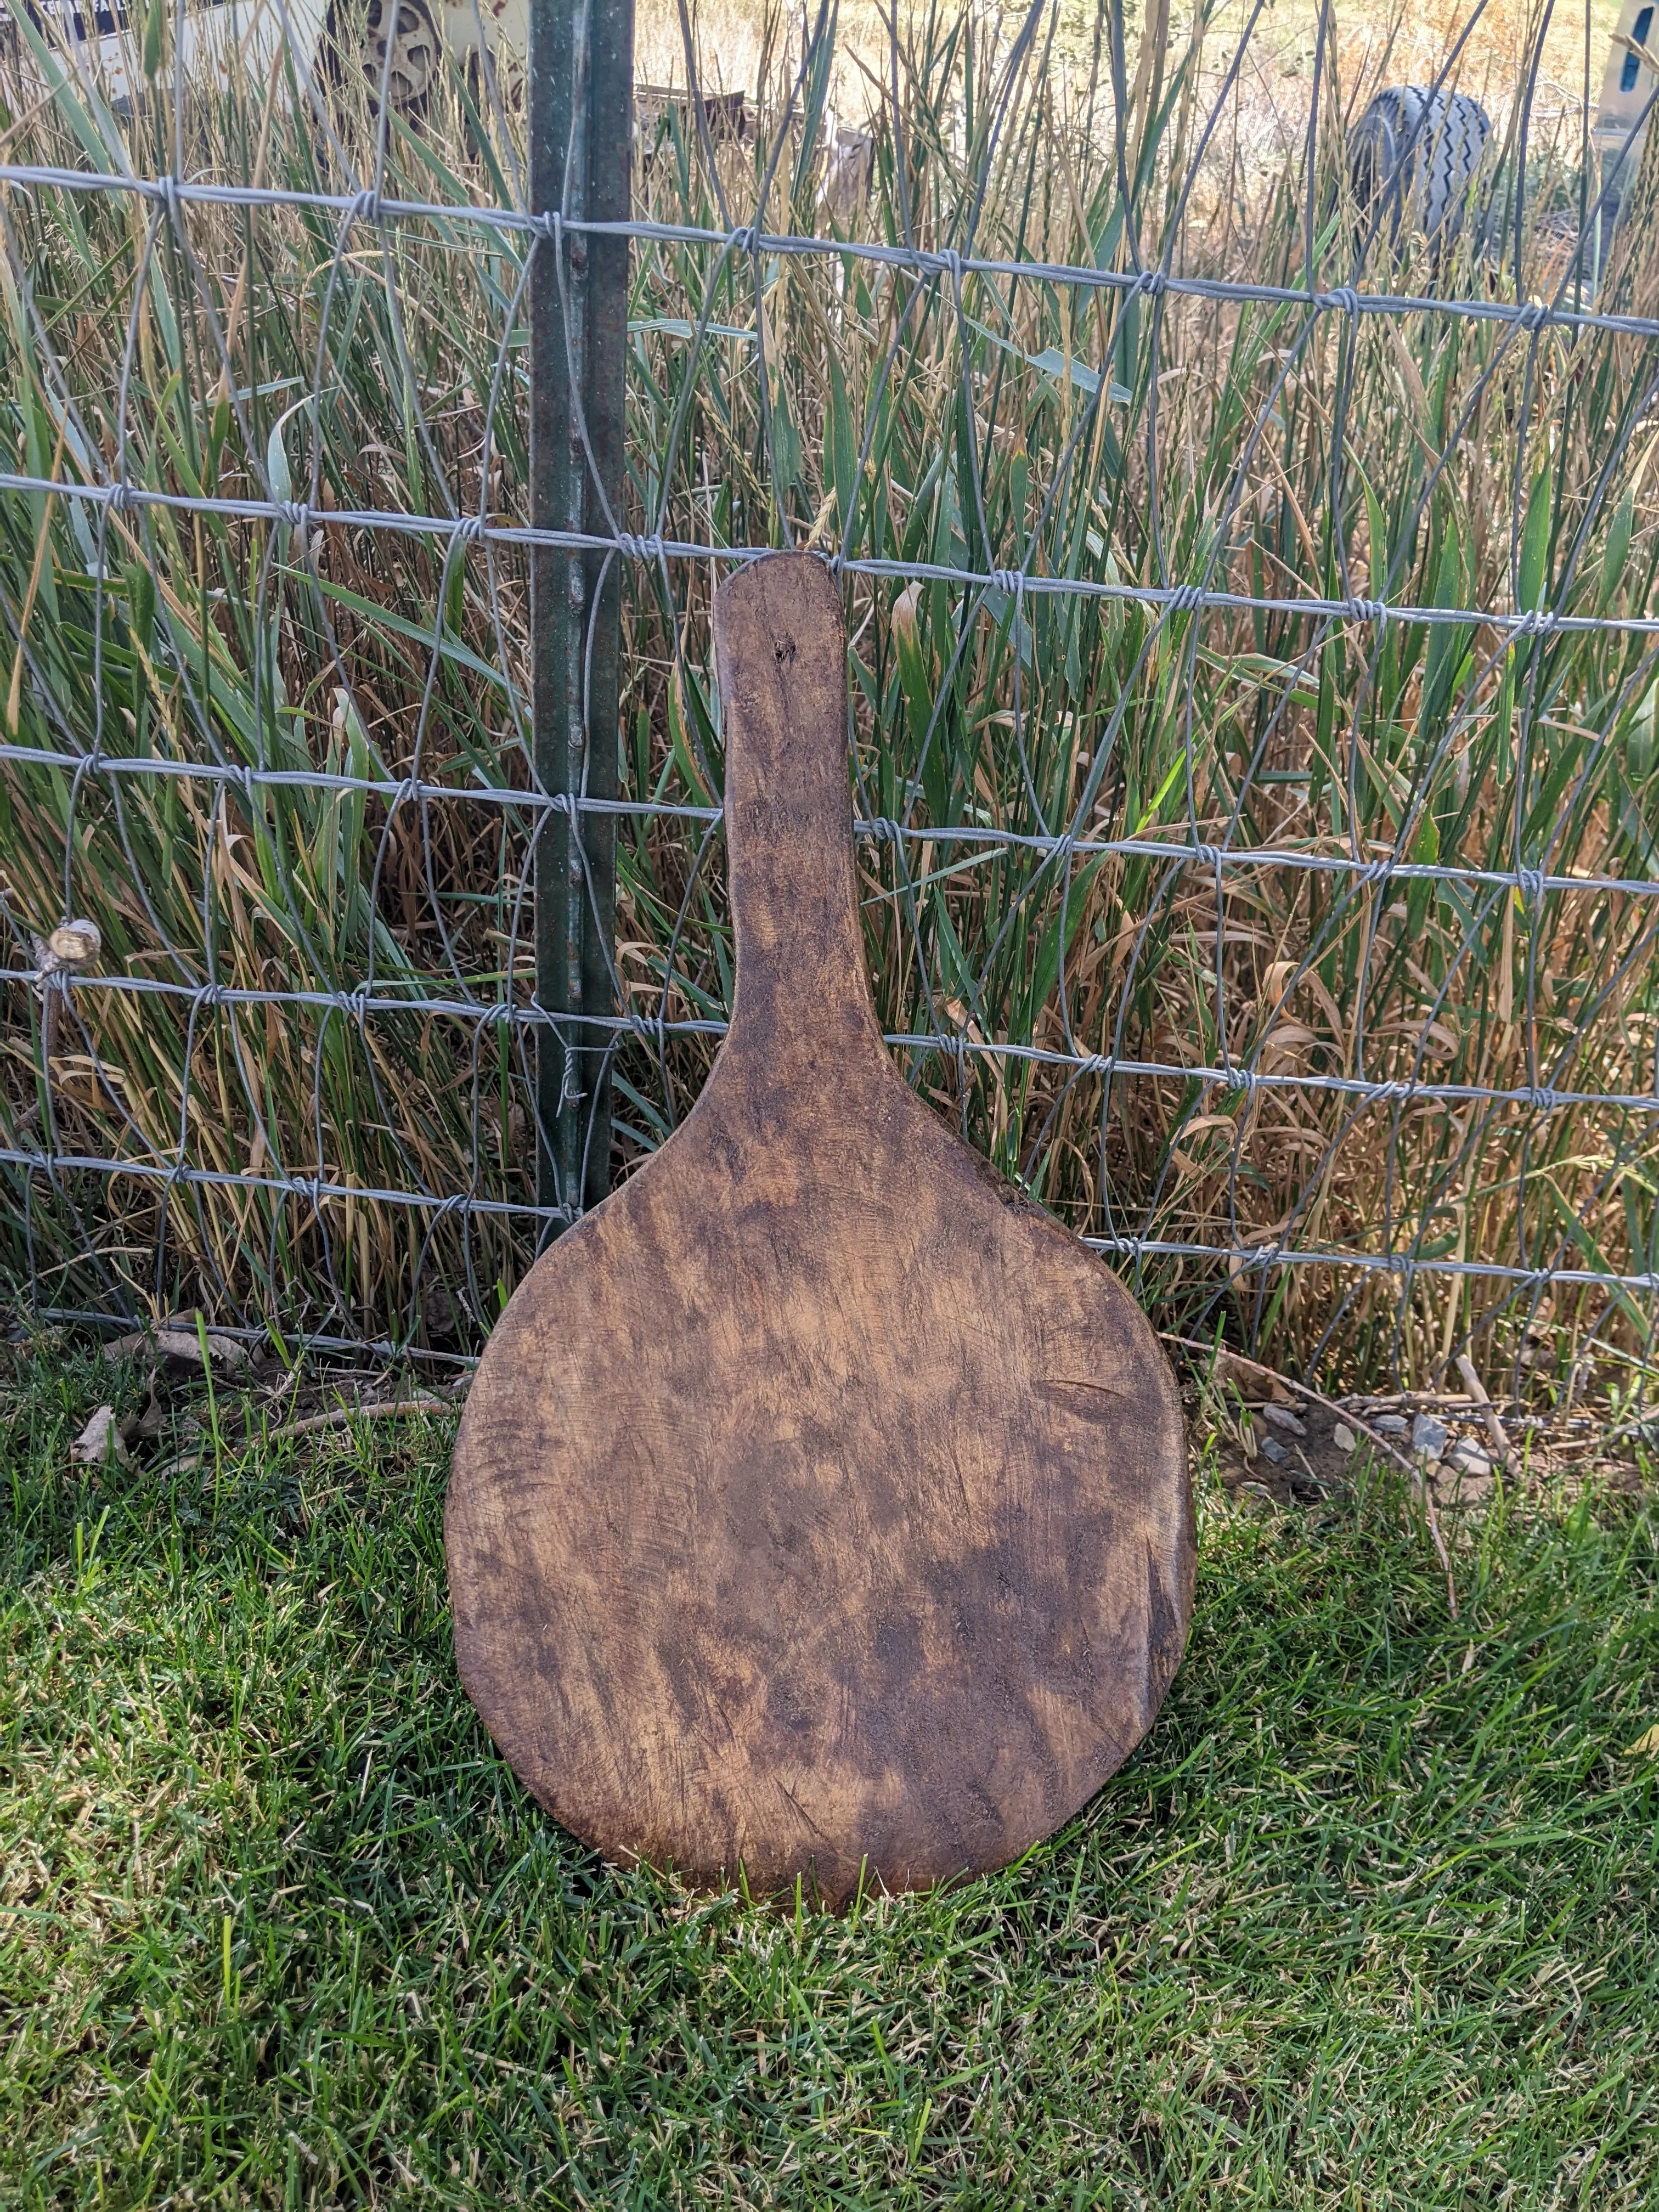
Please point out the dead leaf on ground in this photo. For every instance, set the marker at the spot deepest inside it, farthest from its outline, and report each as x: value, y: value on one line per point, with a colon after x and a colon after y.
x: 1251, y: 1381
x: 144, y: 1427
x: 183, y: 1346
x: 99, y: 1442
x: 1646, y: 1745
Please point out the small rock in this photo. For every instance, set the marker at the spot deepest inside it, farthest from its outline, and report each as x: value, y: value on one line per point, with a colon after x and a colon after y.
x: 1466, y: 1458
x: 1274, y: 1450
x: 99, y: 1442
x: 1282, y: 1418
x: 1391, y: 1424
x: 1428, y: 1436
x: 1344, y: 1438
x: 1467, y: 1476
x: 1467, y: 1490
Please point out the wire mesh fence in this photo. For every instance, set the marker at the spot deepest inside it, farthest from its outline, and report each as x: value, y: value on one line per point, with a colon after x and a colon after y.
x: 1254, y: 698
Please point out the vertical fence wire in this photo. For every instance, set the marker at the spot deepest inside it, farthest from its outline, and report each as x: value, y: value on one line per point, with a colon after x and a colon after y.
x: 1237, y: 467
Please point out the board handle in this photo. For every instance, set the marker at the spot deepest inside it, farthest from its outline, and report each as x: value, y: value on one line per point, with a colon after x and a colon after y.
x: 781, y: 651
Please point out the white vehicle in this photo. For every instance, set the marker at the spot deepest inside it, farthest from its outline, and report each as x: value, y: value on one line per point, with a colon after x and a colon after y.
x: 102, y: 41
x: 1628, y: 84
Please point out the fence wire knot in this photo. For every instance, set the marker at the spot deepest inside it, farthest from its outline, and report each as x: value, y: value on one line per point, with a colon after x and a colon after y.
x: 884, y: 830
x: 167, y: 187
x: 1529, y: 882
x: 1010, y: 581
x: 470, y: 528
x: 1537, y: 622
x: 1344, y: 299
x: 124, y: 497
x: 1185, y: 598
x: 294, y: 512
x: 1534, y: 315
x: 1375, y: 610
x: 744, y: 240
x: 1208, y: 856
x: 1541, y: 1098
x: 1149, y: 283
x: 638, y: 549
x: 947, y: 261
x: 365, y: 208
x: 1239, y: 1078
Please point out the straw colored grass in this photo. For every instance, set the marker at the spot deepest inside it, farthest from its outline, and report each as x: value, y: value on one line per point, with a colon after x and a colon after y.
x: 1416, y: 457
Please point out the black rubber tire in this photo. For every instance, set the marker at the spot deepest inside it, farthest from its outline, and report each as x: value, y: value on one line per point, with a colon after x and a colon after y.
x: 1419, y: 152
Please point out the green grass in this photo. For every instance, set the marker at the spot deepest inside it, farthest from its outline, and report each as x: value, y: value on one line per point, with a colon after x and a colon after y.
x: 1368, y: 1921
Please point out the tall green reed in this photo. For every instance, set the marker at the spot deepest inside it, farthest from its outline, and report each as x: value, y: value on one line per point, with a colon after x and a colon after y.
x: 1027, y: 423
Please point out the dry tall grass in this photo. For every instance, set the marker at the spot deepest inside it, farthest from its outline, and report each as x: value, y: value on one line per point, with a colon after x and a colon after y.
x: 1429, y: 460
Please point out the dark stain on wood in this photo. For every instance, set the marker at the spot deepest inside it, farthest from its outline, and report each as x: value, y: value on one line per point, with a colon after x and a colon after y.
x: 820, y: 1503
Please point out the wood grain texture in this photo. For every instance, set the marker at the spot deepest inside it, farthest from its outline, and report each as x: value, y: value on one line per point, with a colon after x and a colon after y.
x: 819, y: 1501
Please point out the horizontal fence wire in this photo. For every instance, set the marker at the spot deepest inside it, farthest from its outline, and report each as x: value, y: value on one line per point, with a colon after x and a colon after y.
x: 1178, y: 599
x: 171, y: 193
x: 1377, y: 1086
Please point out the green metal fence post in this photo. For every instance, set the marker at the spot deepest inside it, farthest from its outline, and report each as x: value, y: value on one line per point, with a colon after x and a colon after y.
x: 582, y: 91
